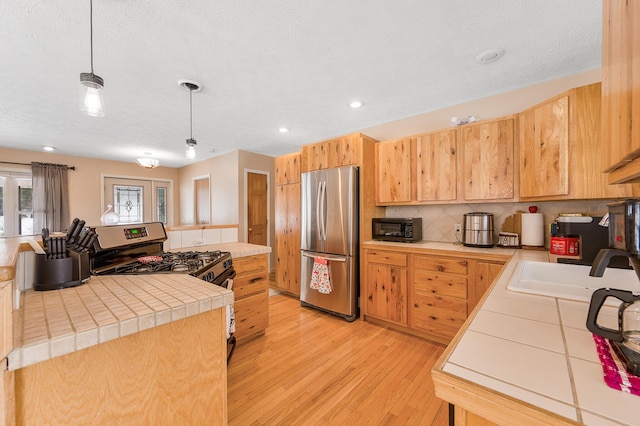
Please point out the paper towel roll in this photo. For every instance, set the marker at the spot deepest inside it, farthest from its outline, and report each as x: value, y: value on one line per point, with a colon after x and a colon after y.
x: 532, y: 229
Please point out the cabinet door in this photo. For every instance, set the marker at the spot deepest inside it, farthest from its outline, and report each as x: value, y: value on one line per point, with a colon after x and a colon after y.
x: 393, y: 171
x: 287, y: 169
x: 485, y: 274
x: 436, y: 170
x: 315, y: 156
x: 344, y: 151
x: 621, y: 84
x: 488, y: 160
x: 252, y: 315
x: 287, y: 223
x: 544, y: 149
x: 387, y: 292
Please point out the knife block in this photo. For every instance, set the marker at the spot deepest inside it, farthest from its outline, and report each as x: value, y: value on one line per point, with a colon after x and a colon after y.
x: 56, y: 274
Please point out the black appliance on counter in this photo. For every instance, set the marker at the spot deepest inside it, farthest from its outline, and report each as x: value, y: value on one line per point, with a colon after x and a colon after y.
x: 404, y: 230
x: 137, y: 249
x: 593, y: 238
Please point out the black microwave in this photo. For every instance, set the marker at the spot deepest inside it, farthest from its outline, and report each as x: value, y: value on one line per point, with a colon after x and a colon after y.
x: 406, y: 230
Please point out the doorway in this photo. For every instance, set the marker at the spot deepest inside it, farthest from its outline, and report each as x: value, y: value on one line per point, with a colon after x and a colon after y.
x: 138, y: 200
x: 257, y: 208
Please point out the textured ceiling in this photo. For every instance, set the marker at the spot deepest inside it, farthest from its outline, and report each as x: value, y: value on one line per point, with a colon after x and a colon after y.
x: 267, y: 64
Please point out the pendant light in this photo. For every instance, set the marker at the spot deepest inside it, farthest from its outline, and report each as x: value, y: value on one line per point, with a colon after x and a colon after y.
x: 191, y: 86
x: 91, y: 85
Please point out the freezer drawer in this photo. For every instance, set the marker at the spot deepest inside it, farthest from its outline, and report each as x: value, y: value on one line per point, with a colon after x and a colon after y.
x: 343, y: 299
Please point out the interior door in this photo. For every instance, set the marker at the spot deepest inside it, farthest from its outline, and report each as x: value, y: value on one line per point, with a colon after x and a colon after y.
x: 131, y: 199
x: 257, y: 208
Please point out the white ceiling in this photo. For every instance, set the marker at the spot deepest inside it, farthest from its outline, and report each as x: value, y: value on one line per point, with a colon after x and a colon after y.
x: 267, y: 64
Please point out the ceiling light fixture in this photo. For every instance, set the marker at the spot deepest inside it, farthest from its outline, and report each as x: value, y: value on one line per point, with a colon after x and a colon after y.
x: 191, y: 142
x: 489, y: 56
x: 147, y: 162
x: 355, y: 104
x: 48, y: 148
x: 91, y: 85
x: 455, y: 121
x: 284, y: 129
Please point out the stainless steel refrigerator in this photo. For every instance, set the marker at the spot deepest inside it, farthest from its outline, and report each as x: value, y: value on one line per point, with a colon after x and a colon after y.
x: 329, y: 233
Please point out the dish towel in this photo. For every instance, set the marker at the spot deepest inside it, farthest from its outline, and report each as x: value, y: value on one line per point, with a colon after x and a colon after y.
x: 615, y: 372
x: 321, y: 276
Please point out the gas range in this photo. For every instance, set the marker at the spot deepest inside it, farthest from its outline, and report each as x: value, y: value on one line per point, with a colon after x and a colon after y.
x: 137, y: 249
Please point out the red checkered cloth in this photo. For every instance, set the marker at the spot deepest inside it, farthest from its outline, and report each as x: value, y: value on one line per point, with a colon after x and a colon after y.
x: 616, y: 375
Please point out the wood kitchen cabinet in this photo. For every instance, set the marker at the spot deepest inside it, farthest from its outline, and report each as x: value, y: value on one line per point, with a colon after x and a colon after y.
x: 472, y: 163
x: 251, y: 296
x: 488, y: 160
x: 417, y: 170
x: 621, y: 90
x: 428, y: 293
x: 6, y: 318
x: 287, y: 169
x: 338, y: 152
x: 287, y: 253
x: 561, y: 150
x: 438, y: 296
x: 386, y: 286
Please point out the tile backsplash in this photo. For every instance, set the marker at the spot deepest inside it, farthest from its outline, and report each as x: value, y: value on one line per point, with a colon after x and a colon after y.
x: 438, y: 220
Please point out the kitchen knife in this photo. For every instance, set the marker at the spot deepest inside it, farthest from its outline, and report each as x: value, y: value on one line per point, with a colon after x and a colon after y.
x: 92, y: 239
x: 63, y: 248
x: 83, y: 240
x: 72, y: 228
x: 76, y: 232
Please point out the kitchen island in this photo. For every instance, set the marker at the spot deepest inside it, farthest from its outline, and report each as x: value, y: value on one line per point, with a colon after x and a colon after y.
x: 145, y: 347
x: 528, y: 359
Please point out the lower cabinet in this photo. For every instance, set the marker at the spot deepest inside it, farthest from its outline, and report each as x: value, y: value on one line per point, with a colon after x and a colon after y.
x: 422, y: 293
x: 386, y: 290
x: 438, y: 296
x: 251, y: 292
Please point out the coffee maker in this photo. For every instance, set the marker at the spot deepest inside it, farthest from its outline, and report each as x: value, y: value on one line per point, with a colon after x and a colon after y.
x: 624, y: 241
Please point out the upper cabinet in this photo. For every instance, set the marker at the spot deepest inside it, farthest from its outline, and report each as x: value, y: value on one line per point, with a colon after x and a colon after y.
x: 287, y: 169
x: 561, y: 151
x: 343, y: 151
x: 621, y: 90
x: 488, y: 160
x: 429, y: 168
x: 416, y: 170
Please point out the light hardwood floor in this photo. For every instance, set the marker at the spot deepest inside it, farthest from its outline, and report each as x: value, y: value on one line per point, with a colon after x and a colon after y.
x: 313, y: 368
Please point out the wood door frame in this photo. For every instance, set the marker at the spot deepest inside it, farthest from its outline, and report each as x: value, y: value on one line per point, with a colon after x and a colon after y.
x: 195, y: 197
x: 170, y: 195
x: 245, y: 216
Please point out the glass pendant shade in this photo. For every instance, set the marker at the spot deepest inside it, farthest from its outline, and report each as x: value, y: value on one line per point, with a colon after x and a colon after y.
x: 191, y: 149
x: 91, y: 95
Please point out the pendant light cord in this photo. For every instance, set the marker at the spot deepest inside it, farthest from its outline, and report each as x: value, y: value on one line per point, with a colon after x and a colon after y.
x: 190, y: 113
x: 91, y: 31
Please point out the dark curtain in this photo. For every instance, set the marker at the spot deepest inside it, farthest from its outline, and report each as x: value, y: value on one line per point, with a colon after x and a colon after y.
x: 50, y: 197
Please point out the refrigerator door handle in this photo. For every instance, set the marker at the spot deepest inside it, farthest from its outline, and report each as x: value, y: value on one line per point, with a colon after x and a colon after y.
x: 326, y: 257
x: 323, y: 203
x: 318, y: 195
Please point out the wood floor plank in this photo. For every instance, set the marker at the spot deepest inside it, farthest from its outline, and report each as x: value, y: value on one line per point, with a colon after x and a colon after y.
x: 312, y: 368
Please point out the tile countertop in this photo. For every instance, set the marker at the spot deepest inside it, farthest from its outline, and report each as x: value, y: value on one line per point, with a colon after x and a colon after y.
x: 58, y: 322
x: 237, y: 249
x: 536, y: 350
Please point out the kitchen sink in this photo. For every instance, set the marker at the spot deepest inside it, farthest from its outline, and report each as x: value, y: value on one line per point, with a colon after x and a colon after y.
x: 567, y: 281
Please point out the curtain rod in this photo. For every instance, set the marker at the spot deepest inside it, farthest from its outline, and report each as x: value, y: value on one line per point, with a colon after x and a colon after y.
x: 28, y: 164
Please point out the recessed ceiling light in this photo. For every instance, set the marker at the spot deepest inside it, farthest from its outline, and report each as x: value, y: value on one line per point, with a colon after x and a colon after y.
x: 284, y: 129
x: 489, y: 56
x: 355, y: 104
x: 48, y: 148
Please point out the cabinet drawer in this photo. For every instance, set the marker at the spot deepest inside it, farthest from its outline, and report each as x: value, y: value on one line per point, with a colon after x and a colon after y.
x: 387, y: 257
x: 251, y: 264
x: 449, y: 265
x: 252, y: 315
x: 438, y: 315
x: 427, y: 282
x: 247, y: 284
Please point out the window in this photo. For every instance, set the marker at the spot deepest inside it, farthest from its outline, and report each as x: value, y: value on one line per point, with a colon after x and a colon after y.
x: 16, y: 208
x: 161, y: 204
x: 128, y: 203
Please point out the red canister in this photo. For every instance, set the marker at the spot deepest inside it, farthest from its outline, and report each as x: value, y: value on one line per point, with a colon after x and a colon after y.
x: 565, y: 245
